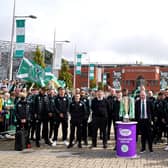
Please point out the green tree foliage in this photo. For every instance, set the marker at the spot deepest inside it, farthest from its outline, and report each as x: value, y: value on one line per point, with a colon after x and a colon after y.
x: 93, y: 83
x: 39, y: 58
x: 100, y: 86
x: 65, y: 75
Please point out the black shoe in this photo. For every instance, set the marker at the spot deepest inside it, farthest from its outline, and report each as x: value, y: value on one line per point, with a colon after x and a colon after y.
x: 33, y: 139
x: 142, y: 151
x: 151, y: 150
x: 48, y: 143
x: 93, y: 146
x: 86, y: 143
x: 105, y: 146
x: 38, y: 144
x: 70, y: 145
x: 79, y: 146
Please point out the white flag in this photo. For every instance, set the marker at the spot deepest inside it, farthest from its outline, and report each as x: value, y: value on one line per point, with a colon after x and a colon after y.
x: 57, y: 57
x: 99, y: 74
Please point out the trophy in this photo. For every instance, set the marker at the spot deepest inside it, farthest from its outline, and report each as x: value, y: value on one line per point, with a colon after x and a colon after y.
x: 126, y: 108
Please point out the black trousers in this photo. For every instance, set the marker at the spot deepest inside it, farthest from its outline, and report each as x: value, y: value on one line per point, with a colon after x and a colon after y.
x: 99, y: 123
x: 146, y: 133
x: 110, y: 121
x: 78, y: 125
x: 44, y: 131
x: 84, y: 130
x: 32, y: 128
x: 64, y: 122
x: 51, y: 122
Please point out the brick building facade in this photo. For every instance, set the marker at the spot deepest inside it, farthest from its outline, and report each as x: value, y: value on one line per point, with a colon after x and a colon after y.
x: 154, y: 77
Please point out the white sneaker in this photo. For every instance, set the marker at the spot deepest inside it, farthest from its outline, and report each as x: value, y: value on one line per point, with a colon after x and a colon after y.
x: 66, y: 143
x: 54, y: 143
x: 7, y: 136
x: 166, y: 148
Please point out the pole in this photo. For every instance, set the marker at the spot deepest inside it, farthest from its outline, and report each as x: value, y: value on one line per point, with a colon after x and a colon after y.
x: 97, y: 74
x: 88, y: 71
x: 54, y: 51
x: 74, y: 79
x: 10, y: 62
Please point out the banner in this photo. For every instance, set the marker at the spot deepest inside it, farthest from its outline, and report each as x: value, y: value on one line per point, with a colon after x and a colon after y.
x: 78, y: 64
x: 99, y: 76
x: 32, y: 72
x: 91, y: 72
x: 104, y: 79
x: 57, y: 57
x: 20, y: 38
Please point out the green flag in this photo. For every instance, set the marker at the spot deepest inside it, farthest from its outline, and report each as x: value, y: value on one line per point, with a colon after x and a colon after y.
x: 31, y: 72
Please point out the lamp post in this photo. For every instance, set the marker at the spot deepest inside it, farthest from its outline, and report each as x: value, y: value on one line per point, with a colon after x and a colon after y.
x: 74, y: 79
x: 88, y: 72
x: 55, y: 71
x: 10, y: 61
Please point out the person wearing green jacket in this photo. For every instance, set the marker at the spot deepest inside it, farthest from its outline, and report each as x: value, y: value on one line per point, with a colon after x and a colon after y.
x: 8, y: 107
x: 127, y: 110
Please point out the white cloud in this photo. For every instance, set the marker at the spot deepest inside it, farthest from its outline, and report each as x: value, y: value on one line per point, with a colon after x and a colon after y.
x: 107, y: 29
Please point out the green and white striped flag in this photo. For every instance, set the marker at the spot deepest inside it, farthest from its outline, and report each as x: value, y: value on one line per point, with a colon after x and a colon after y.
x: 20, y: 38
x: 78, y: 64
x: 32, y: 72
x: 104, y: 79
x: 91, y: 72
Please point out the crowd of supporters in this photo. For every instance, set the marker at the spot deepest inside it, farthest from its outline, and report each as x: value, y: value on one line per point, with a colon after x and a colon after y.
x: 46, y: 109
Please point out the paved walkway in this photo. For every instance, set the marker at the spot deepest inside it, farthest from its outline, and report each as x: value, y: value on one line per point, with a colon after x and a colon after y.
x: 61, y: 157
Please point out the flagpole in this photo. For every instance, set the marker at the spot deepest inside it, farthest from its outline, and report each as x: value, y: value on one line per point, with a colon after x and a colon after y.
x: 10, y: 63
x: 88, y: 72
x: 74, y: 79
x: 54, y: 51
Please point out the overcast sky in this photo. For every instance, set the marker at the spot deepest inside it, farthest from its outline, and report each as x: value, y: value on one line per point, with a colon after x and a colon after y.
x: 110, y: 31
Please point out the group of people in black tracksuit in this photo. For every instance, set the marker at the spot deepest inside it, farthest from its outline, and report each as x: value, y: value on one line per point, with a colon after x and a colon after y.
x: 36, y: 111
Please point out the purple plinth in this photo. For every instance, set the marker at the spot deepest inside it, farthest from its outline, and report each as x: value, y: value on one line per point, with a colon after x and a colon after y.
x: 126, y: 139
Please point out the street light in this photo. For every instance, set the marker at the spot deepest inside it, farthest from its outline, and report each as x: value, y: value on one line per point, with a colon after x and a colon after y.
x: 88, y: 72
x: 55, y: 70
x: 10, y: 62
x: 29, y: 16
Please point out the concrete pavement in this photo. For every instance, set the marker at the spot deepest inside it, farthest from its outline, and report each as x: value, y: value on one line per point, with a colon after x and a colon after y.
x: 61, y: 157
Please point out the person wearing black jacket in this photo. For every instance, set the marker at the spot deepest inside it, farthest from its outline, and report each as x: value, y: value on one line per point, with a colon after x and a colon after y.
x: 100, y: 110
x: 22, y: 113
x: 165, y: 116
x: 85, y: 100
x: 159, y: 108
x: 52, y: 113
x: 41, y: 111
x: 61, y: 115
x: 112, y: 112
x: 77, y: 112
x: 144, y: 117
x: 31, y: 121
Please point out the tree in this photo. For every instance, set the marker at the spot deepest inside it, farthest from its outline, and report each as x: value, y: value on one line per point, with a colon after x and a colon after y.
x: 100, y: 86
x: 39, y: 58
x: 93, y: 83
x: 65, y: 75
